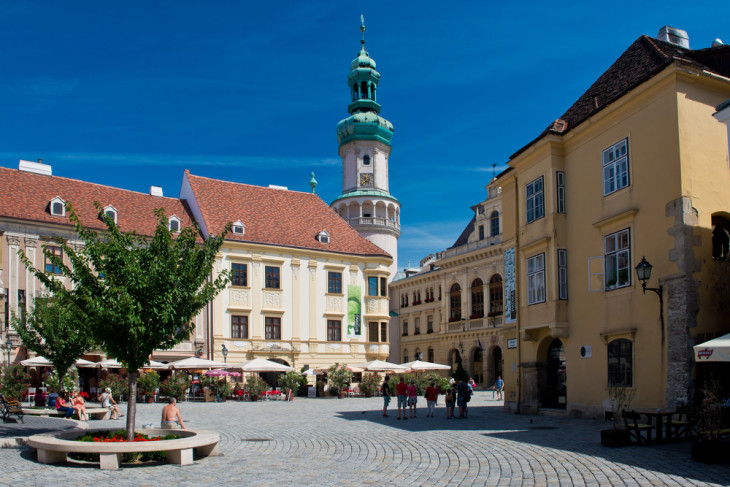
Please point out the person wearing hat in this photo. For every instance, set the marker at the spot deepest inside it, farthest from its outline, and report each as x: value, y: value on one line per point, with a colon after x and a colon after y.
x: 107, y: 401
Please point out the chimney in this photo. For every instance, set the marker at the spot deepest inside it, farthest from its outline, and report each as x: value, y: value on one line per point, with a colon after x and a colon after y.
x: 674, y: 36
x: 35, y: 167
x: 156, y: 191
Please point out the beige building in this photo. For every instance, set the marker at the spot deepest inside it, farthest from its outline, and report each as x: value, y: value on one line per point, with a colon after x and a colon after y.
x: 636, y: 168
x: 451, y: 309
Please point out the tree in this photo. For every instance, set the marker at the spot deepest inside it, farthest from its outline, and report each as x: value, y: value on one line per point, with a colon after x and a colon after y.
x: 138, y: 293
x: 56, y: 332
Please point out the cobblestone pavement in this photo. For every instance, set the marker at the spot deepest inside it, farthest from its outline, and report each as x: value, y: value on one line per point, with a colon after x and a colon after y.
x: 349, y: 442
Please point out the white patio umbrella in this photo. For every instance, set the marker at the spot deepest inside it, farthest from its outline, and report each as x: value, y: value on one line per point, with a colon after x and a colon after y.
x: 312, y: 372
x: 260, y: 365
x: 381, y: 366
x: 197, y: 363
x: 716, y: 350
x: 38, y: 361
x: 156, y: 365
x: 85, y: 363
x: 110, y: 363
x: 421, y: 366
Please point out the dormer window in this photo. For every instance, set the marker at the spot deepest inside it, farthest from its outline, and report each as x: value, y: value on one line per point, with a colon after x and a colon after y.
x: 58, y: 207
x: 366, y: 160
x: 111, y: 212
x: 173, y: 224
x: 239, y: 228
x: 323, y: 237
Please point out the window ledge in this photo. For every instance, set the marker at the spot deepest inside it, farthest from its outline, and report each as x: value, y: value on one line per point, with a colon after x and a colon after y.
x: 624, y: 215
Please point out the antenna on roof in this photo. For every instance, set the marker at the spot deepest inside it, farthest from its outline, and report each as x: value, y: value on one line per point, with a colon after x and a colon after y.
x: 494, y: 167
x: 312, y: 183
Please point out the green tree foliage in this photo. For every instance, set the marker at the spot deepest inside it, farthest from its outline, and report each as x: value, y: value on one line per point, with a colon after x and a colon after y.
x: 338, y: 376
x: 15, y: 381
x: 175, y: 385
x: 67, y: 382
x: 138, y: 293
x: 459, y: 373
x: 291, y: 380
x: 56, y: 332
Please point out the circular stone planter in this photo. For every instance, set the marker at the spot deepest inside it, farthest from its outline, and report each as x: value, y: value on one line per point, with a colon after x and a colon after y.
x: 54, y: 447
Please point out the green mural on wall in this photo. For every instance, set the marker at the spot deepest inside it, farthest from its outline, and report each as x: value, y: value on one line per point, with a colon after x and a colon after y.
x: 354, y: 304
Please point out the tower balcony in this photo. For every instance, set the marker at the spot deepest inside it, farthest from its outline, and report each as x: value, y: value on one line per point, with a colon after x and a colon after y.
x: 375, y: 222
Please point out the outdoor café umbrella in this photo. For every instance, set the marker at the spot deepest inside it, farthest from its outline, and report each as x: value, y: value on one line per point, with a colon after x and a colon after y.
x: 261, y: 365
x: 38, y: 361
x: 218, y: 373
x: 420, y: 366
x: 312, y: 372
x: 197, y: 363
x: 716, y: 350
x: 381, y: 366
x: 155, y: 365
x: 85, y: 363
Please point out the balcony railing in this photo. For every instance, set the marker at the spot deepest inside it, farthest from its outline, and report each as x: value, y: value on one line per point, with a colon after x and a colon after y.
x: 374, y: 220
x: 470, y: 247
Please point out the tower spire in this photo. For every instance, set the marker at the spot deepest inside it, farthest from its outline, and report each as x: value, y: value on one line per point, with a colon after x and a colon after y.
x: 362, y: 29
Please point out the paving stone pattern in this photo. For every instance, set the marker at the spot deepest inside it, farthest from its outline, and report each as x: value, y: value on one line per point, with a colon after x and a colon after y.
x: 349, y: 442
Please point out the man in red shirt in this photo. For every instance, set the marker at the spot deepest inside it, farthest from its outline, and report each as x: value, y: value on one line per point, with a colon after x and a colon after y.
x: 401, y: 389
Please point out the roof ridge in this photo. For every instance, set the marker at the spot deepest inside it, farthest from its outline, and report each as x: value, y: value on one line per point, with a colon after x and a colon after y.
x: 252, y: 185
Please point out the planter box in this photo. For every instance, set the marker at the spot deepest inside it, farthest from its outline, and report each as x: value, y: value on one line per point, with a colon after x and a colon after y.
x: 615, y: 438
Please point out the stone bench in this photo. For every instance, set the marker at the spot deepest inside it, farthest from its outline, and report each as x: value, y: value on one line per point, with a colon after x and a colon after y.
x: 94, y: 413
x: 54, y: 447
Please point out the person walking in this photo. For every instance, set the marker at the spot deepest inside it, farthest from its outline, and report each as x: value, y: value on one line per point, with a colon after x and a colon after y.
x: 499, y: 386
x: 449, y: 400
x: 462, y: 397
x: 412, y: 397
x: 385, y: 390
x: 401, y: 389
x: 432, y: 395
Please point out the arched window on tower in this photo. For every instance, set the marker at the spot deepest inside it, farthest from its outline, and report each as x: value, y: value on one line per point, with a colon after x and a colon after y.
x: 720, y: 237
x: 363, y: 90
x: 366, y: 160
x: 477, y: 299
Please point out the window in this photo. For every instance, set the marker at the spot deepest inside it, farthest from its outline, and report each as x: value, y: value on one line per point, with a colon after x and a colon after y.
x: 477, y: 298
x: 429, y: 324
x: 430, y: 355
x: 496, y: 303
x: 272, y: 277
x: 536, y: 279
x: 173, y: 224
x: 560, y: 190
x: 535, y: 207
x: 384, y: 286
x: 617, y: 258
x: 372, y: 286
x: 720, y: 237
x: 366, y: 160
x: 455, y: 303
x: 50, y: 267
x: 58, y: 207
x: 494, y: 222
x: 111, y: 212
x: 481, y: 232
x: 615, y: 167
x: 416, y: 326
x: 273, y: 328
x: 405, y: 328
x: 239, y: 326
x: 334, y: 282
x: 239, y: 228
x: 620, y: 358
x: 384, y: 332
x: 323, y: 237
x: 373, y: 331
x: 239, y: 276
x: 334, y: 330
x: 562, y: 274
x: 405, y: 356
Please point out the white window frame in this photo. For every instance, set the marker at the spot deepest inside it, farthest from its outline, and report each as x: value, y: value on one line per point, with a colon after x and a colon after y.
x: 617, y: 259
x: 179, y: 224
x: 616, y: 167
x: 238, y: 228
x: 562, y: 274
x: 534, y: 199
x: 560, y: 190
x: 55, y: 200
x: 113, y: 211
x: 323, y: 237
x: 536, y: 279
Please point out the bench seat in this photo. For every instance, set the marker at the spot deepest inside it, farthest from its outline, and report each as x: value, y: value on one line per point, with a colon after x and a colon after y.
x: 95, y: 413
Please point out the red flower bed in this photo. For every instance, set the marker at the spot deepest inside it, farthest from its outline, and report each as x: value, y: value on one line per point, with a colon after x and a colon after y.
x: 117, y: 438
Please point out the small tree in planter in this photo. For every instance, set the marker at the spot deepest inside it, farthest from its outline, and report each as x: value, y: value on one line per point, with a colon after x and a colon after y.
x: 69, y: 381
x: 116, y: 383
x: 148, y: 384
x: 15, y: 381
x: 175, y: 385
x: 338, y: 376
x: 290, y: 381
x: 255, y: 386
x: 620, y: 398
x: 370, y: 383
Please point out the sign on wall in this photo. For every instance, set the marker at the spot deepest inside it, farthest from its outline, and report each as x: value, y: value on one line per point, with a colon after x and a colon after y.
x: 510, y: 301
x: 512, y: 343
x: 354, y: 311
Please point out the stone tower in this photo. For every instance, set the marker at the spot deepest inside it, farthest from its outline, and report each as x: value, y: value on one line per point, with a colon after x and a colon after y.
x: 364, y: 145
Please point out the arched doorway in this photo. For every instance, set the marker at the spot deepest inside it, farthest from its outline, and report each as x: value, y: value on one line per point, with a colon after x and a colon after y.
x: 454, y: 361
x: 477, y: 366
x: 272, y: 378
x: 496, y: 366
x: 554, y: 393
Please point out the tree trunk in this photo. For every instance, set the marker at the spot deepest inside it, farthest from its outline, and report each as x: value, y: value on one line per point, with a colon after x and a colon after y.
x: 61, y: 375
x: 132, y: 404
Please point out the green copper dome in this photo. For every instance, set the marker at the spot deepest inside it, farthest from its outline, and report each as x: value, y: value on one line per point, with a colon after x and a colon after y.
x: 363, y: 60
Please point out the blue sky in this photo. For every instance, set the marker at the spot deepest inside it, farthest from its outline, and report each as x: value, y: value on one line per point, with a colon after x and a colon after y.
x: 131, y: 93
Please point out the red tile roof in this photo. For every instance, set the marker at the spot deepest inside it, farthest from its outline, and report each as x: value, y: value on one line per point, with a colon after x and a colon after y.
x: 26, y: 196
x: 276, y: 217
x: 644, y: 59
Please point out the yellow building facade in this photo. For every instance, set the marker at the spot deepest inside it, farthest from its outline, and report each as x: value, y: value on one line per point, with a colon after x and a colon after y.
x: 637, y: 167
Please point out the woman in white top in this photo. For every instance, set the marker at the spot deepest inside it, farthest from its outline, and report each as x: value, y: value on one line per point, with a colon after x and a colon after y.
x: 107, y: 401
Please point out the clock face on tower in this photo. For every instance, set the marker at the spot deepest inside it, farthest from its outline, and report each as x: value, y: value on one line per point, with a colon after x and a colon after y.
x: 366, y: 179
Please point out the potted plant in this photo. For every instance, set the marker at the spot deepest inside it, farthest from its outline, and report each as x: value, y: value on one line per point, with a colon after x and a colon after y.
x: 709, y: 447
x: 290, y: 382
x: 369, y: 384
x: 15, y: 381
x: 620, y: 398
x: 225, y: 389
x: 148, y: 384
x: 338, y: 376
x: 255, y: 386
x: 175, y: 385
x: 116, y: 383
x: 70, y: 381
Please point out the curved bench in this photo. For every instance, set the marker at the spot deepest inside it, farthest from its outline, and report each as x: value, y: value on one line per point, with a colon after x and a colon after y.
x: 54, y: 447
x: 95, y: 413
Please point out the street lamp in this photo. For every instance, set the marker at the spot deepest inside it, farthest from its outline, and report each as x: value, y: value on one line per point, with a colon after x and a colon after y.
x: 8, y: 348
x: 224, y: 351
x: 643, y: 272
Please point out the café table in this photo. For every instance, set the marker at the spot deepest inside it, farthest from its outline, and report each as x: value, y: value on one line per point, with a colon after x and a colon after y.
x: 656, y: 417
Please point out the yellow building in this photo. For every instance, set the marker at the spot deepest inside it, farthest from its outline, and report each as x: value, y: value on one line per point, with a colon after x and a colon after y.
x: 637, y: 167
x: 450, y: 310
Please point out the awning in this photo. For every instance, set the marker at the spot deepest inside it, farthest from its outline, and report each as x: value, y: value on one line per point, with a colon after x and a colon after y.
x: 716, y: 350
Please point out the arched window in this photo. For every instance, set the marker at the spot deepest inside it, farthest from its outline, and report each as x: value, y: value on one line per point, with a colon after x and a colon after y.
x: 477, y: 299
x: 494, y: 223
x: 418, y: 355
x: 495, y: 295
x: 455, y: 302
x: 720, y: 237
x: 366, y: 160
x: 620, y: 363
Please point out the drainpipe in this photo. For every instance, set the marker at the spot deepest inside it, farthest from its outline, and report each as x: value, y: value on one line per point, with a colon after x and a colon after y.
x: 520, y: 381
x: 209, y: 341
